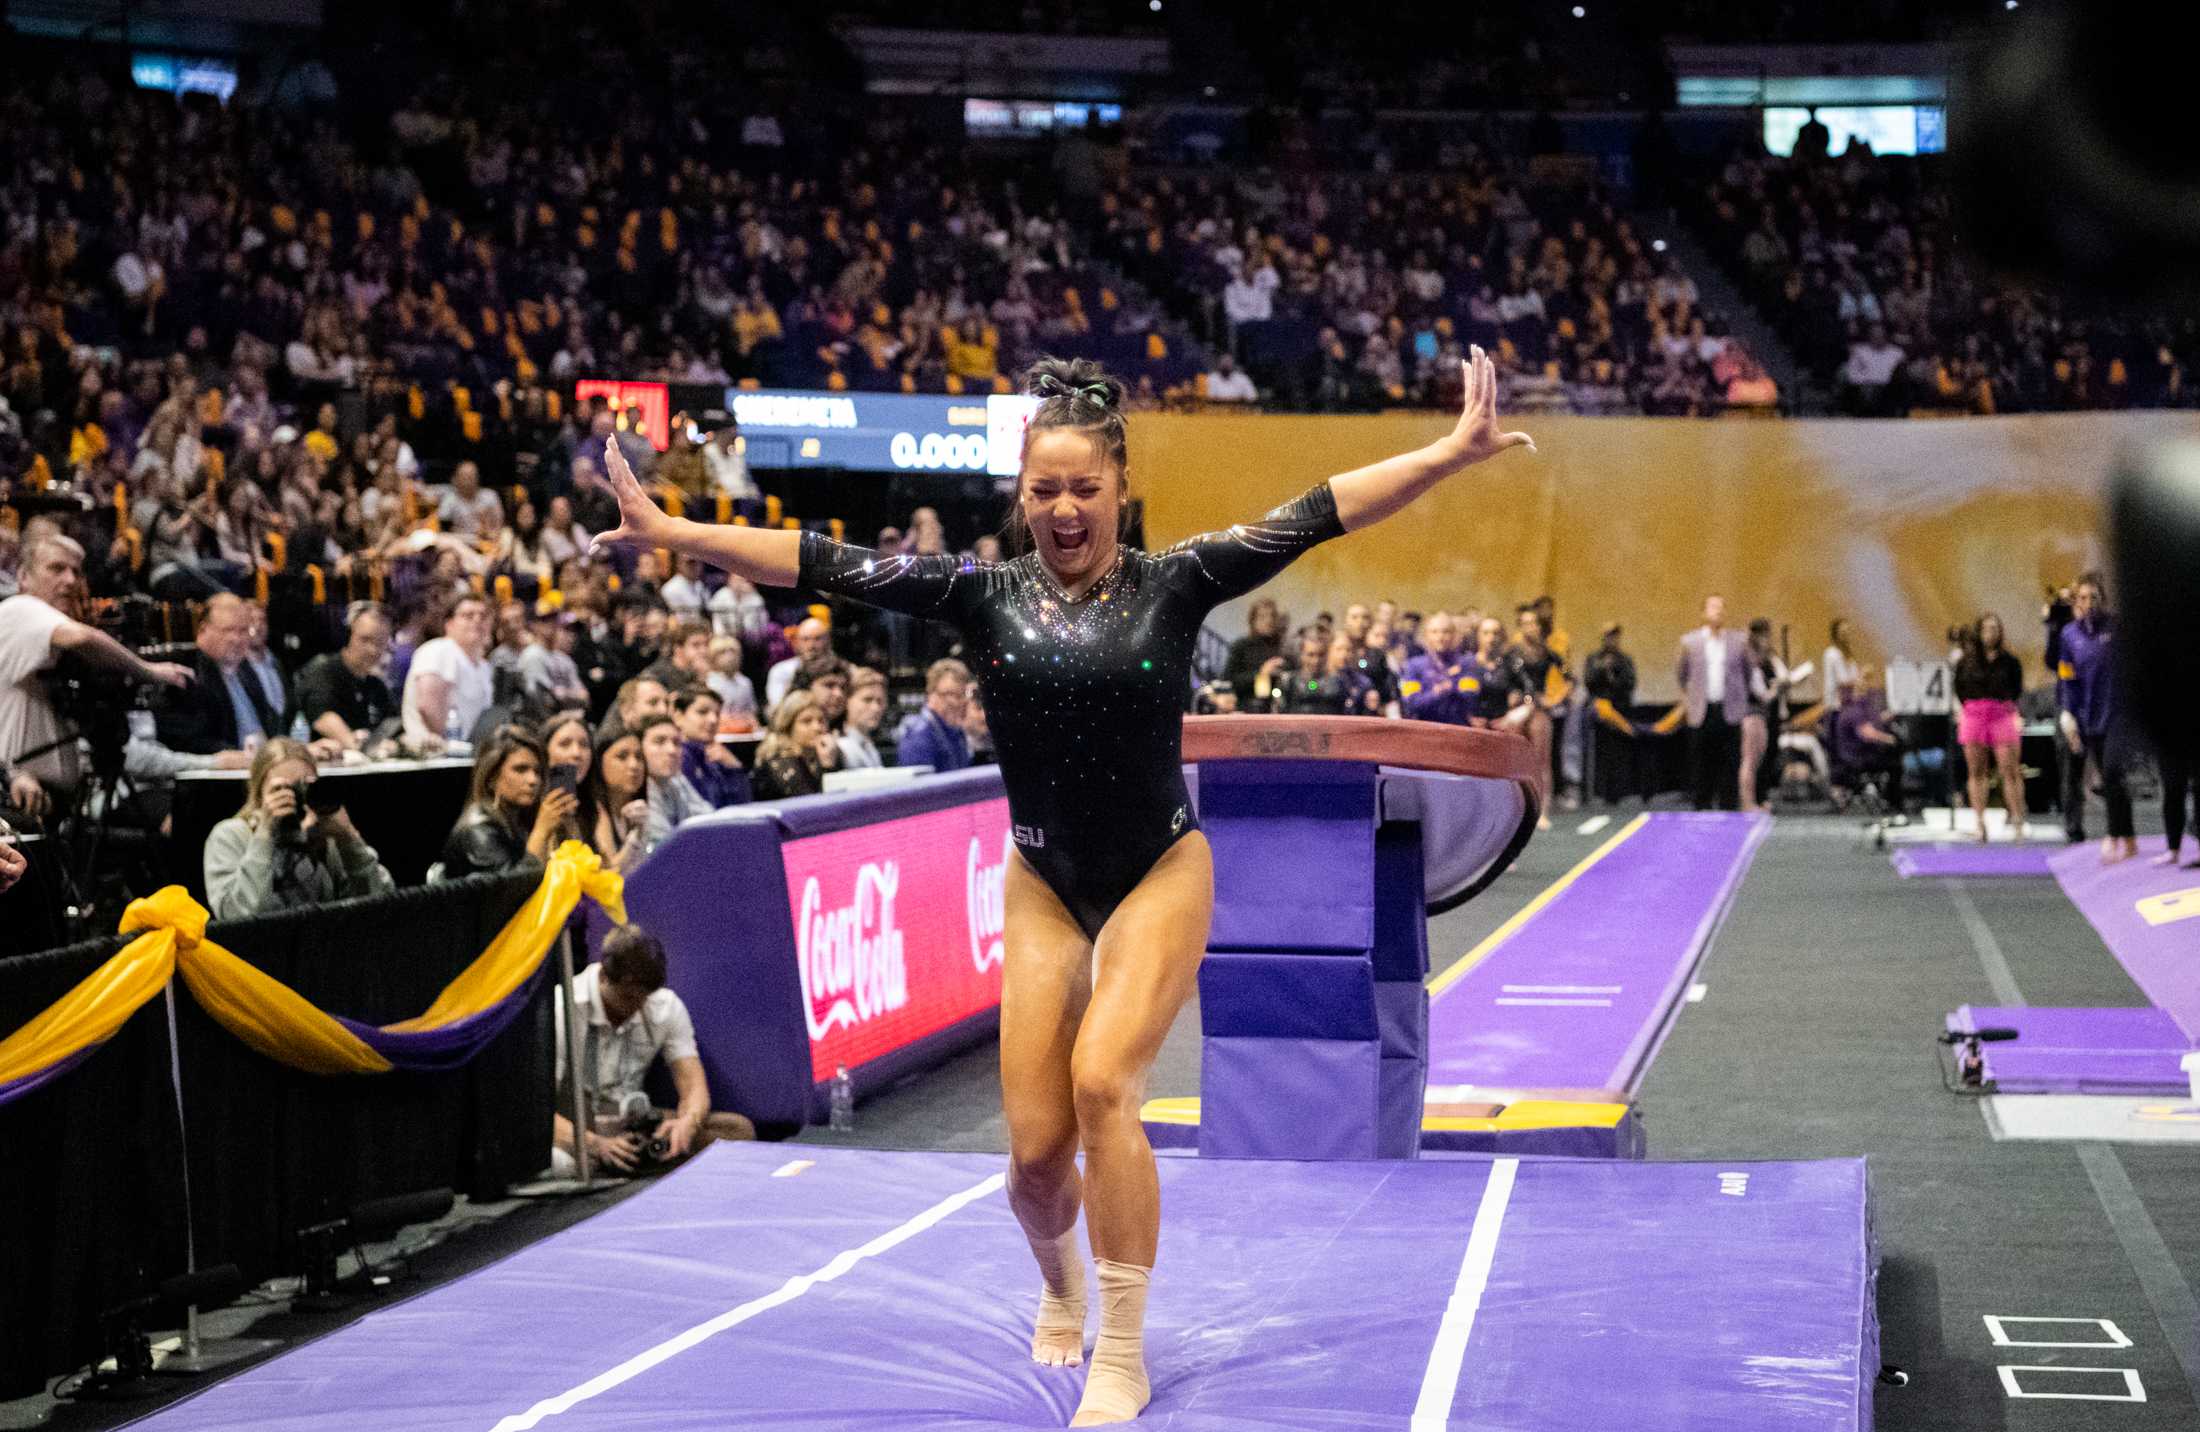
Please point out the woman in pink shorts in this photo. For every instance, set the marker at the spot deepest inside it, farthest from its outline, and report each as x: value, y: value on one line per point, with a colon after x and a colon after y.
x: 1989, y: 680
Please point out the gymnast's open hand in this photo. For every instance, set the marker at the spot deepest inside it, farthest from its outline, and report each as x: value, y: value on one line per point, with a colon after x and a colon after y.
x: 1477, y: 437
x: 641, y: 522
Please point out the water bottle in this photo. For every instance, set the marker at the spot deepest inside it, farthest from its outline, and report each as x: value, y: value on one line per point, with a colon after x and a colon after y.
x: 844, y: 1101
x: 299, y: 731
x: 454, y: 730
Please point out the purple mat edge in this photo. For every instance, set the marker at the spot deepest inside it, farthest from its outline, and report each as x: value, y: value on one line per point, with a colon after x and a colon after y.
x: 2135, y: 1049
x: 1972, y: 861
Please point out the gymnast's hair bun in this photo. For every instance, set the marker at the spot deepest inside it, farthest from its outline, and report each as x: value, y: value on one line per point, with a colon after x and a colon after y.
x: 1082, y: 382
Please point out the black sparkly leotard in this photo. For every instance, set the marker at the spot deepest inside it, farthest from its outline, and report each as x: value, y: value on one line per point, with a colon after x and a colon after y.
x: 1085, y: 698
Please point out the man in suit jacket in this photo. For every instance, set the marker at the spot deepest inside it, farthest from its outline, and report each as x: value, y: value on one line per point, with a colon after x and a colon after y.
x: 1713, y: 674
x: 225, y: 706
x: 934, y: 736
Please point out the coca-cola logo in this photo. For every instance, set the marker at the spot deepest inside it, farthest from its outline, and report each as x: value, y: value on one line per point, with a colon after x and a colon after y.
x: 850, y: 956
x: 985, y: 898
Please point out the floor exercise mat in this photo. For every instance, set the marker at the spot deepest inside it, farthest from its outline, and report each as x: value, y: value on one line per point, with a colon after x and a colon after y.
x: 774, y: 1288
x: 1971, y: 861
x: 2149, y: 915
x: 1577, y: 991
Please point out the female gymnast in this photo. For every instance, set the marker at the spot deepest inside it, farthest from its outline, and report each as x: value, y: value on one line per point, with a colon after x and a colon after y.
x: 1083, y: 649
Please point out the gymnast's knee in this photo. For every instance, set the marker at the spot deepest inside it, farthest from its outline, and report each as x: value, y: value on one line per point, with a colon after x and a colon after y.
x: 1105, y: 1093
x: 1038, y: 1164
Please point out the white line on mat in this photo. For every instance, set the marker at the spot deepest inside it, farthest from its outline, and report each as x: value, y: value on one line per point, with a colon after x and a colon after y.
x: 1440, y: 1384
x: 787, y: 1292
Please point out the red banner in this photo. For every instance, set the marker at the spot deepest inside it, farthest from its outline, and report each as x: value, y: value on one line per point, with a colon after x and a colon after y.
x: 897, y: 929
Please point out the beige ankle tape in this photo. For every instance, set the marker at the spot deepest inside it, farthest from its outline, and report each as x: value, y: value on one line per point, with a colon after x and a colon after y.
x: 1062, y: 1268
x: 1116, y: 1389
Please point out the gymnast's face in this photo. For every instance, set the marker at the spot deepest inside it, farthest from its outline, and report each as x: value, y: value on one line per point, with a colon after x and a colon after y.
x: 1072, y: 499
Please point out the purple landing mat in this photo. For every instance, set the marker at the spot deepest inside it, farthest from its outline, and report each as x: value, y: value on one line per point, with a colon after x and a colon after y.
x: 2080, y: 1051
x: 1580, y: 996
x: 2149, y: 915
x: 884, y: 1291
x: 1971, y: 861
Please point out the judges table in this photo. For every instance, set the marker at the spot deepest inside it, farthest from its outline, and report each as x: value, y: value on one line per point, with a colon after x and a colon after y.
x: 404, y: 809
x: 858, y: 931
x: 1334, y: 838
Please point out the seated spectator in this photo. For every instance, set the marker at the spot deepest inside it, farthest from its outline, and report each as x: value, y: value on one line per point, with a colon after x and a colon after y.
x: 278, y: 852
x: 523, y: 554
x: 549, y: 678
x: 1869, y: 374
x: 934, y: 736
x: 640, y: 699
x: 811, y: 638
x: 736, y: 693
x: 1261, y: 644
x: 737, y: 610
x: 728, y: 467
x: 1228, y: 383
x: 710, y: 770
x: 826, y: 679
x: 1864, y: 741
x: 341, y: 694
x: 470, y: 511
x: 866, y: 709
x: 794, y: 757
x: 1341, y: 689
x: 1752, y: 387
x: 633, y: 1021
x: 1436, y: 685
x: 259, y: 663
x: 615, y: 797
x: 509, y: 820
x: 975, y: 729
x: 1271, y: 683
x: 566, y: 747
x: 685, y: 593
x: 1500, y: 698
x: 672, y: 801
x: 450, y: 685
x: 223, y: 708
x: 563, y: 538
x: 686, y: 659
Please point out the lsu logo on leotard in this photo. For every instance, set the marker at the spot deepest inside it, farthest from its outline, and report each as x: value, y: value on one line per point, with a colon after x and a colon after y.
x: 985, y: 898
x: 851, y: 957
x: 1030, y: 835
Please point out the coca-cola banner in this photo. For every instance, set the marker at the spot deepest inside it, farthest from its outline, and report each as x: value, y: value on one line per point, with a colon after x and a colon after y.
x: 897, y: 927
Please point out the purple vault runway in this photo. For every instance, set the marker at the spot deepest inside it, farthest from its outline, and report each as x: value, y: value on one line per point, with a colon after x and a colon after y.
x: 782, y: 1287
x: 1574, y: 999
x: 1969, y: 860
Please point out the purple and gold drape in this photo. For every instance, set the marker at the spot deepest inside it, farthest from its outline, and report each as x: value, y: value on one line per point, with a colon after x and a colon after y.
x: 280, y: 1023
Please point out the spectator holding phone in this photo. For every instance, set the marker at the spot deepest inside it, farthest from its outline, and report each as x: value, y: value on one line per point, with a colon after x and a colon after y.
x: 510, y: 819
x: 291, y: 845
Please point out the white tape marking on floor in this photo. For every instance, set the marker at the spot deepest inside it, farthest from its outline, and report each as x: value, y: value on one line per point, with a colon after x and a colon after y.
x: 1594, y: 824
x: 1561, y: 1003
x: 787, y: 1292
x: 1440, y: 1384
x: 1697, y: 991
x: 1560, y: 989
x: 793, y: 1167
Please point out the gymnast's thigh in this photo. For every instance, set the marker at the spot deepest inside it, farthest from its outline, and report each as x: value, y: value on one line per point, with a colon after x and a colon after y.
x: 1046, y: 983
x: 1147, y: 962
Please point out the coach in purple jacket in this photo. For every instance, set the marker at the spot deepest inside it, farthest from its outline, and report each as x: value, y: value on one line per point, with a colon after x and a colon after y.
x: 2092, y: 722
x: 1713, y: 674
x: 1430, y: 689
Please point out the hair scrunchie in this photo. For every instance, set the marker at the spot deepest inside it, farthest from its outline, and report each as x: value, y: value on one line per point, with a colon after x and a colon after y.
x: 1049, y: 386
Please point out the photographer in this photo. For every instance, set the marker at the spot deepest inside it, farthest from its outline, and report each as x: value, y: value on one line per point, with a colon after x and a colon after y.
x: 509, y: 819
x: 37, y: 761
x: 630, y: 1020
x: 291, y: 845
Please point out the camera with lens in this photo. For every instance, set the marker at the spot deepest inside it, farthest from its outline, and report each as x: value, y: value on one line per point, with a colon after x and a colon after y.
x: 638, y: 1116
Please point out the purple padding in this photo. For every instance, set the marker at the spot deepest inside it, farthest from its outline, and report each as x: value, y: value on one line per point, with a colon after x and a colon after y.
x: 1290, y: 1098
x: 1289, y: 1297
x: 1294, y: 845
x: 1300, y: 996
x: 2050, y: 1027
x: 1958, y: 861
x: 2163, y: 958
x: 1580, y: 996
x: 2015, y: 1069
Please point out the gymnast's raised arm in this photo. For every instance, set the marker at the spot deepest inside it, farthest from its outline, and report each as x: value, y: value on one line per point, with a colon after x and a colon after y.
x: 1366, y: 495
x: 767, y: 558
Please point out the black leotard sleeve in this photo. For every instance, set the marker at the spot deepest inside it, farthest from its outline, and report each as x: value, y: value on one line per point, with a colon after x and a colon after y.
x: 939, y: 586
x: 1229, y: 564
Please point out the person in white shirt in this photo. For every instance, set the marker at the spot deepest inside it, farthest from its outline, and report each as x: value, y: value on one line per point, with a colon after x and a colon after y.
x: 685, y: 593
x: 35, y: 632
x: 736, y: 693
x: 1837, y: 667
x: 563, y: 539
x: 738, y: 611
x: 1229, y: 383
x: 866, y: 709
x: 468, y: 509
x: 629, y: 1020
x: 728, y: 466
x: 1249, y: 298
x: 811, y: 638
x: 450, y: 677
